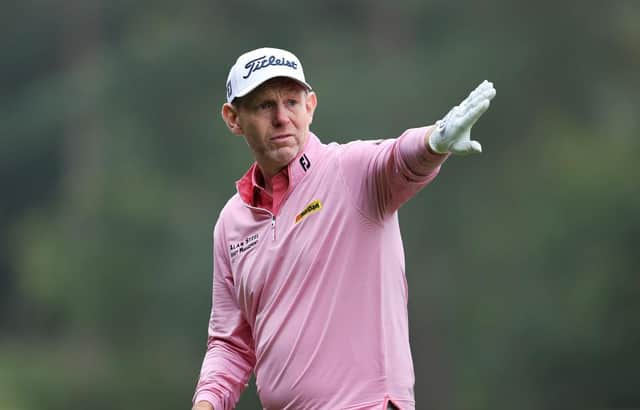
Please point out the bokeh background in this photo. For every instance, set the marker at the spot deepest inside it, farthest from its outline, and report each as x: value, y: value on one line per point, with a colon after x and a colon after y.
x: 522, y: 262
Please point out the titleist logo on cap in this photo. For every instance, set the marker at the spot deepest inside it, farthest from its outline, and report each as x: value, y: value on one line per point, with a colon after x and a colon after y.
x: 264, y: 61
x: 268, y: 63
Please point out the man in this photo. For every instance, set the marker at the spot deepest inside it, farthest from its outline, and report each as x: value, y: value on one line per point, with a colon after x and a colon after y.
x: 309, y: 289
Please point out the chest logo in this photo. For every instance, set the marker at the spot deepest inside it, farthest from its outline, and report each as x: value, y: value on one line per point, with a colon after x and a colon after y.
x: 241, y: 247
x: 314, y: 206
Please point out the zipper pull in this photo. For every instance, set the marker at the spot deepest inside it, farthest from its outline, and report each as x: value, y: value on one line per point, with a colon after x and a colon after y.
x: 273, y: 226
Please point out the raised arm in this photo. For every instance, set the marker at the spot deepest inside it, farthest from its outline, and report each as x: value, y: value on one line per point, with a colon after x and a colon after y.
x: 383, y: 175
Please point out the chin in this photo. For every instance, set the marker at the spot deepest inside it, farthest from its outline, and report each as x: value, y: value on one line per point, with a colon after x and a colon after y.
x: 284, y: 157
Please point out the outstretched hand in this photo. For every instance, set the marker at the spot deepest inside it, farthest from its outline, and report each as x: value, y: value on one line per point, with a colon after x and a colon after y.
x: 453, y: 132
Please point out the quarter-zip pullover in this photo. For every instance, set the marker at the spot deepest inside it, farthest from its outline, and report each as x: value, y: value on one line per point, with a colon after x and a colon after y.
x: 311, y: 294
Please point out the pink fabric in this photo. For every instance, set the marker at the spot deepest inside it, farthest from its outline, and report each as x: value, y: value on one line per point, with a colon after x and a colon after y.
x: 315, y: 301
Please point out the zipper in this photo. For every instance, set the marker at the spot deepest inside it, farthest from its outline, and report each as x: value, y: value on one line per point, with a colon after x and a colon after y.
x: 273, y: 226
x: 273, y: 217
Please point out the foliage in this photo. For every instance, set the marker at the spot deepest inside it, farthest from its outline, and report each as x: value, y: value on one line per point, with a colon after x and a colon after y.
x: 115, y: 165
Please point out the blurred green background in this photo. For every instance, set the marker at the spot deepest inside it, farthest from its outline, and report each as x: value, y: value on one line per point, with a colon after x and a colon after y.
x: 114, y: 164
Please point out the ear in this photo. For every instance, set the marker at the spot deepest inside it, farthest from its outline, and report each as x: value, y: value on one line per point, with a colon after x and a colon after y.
x: 311, y: 103
x: 230, y: 117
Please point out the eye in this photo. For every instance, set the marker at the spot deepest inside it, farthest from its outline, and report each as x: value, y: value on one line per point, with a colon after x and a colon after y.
x: 292, y: 102
x: 265, y: 105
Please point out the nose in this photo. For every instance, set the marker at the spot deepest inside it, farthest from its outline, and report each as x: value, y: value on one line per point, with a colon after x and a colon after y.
x: 280, y: 115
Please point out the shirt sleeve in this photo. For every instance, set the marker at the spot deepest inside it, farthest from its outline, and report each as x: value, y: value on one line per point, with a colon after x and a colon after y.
x: 230, y: 357
x: 383, y: 175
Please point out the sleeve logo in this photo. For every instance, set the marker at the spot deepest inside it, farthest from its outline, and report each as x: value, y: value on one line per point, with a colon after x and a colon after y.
x: 313, y: 207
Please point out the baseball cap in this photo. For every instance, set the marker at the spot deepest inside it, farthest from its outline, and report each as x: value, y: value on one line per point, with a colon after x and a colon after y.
x: 257, y: 66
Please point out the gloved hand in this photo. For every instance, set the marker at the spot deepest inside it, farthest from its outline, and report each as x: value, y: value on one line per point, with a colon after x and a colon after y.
x: 453, y: 132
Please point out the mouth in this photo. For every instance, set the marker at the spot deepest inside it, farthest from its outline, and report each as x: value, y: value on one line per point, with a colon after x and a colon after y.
x: 280, y: 137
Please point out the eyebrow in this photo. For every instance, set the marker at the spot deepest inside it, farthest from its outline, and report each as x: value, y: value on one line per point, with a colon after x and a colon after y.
x: 251, y: 101
x: 285, y: 93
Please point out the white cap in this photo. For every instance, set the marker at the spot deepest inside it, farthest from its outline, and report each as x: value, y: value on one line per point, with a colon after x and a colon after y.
x: 257, y: 66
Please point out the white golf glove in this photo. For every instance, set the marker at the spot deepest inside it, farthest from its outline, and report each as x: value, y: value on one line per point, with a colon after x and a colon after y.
x: 453, y: 132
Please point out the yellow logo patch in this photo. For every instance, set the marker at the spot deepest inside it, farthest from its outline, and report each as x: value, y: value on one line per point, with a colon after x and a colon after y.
x: 313, y: 206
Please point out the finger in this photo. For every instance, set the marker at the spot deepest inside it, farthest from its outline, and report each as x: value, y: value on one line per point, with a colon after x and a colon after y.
x: 481, y: 88
x: 466, y: 147
x: 473, y: 113
x: 489, y: 91
x: 484, y: 91
x: 473, y: 94
x: 475, y: 146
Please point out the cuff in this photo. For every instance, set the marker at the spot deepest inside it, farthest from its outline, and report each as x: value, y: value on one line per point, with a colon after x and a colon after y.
x: 416, y: 154
x: 208, y: 397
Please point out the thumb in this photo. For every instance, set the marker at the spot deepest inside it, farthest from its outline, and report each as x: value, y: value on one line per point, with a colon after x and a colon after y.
x: 466, y: 147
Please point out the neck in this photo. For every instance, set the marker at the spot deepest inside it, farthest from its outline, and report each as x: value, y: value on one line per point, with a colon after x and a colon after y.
x: 266, y: 177
x: 268, y: 186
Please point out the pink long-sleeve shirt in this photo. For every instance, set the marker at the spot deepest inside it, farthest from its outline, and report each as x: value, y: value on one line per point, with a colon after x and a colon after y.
x: 313, y: 297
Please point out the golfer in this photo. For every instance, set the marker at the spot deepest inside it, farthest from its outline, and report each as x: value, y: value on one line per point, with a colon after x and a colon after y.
x: 309, y: 286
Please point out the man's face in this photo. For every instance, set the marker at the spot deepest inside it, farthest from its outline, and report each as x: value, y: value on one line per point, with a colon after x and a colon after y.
x: 274, y: 119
